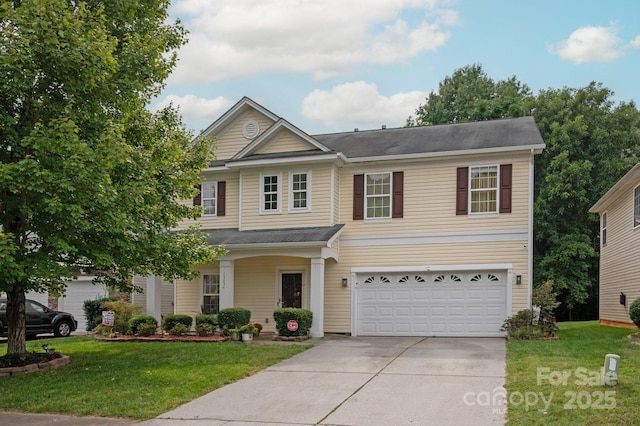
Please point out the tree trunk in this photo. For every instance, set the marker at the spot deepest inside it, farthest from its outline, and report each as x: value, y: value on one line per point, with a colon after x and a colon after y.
x: 16, y: 342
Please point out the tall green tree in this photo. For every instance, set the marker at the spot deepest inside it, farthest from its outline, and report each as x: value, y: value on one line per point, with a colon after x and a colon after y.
x: 469, y: 94
x: 591, y: 142
x: 89, y: 179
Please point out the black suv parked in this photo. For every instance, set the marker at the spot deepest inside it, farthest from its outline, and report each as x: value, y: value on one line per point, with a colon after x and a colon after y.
x: 40, y: 319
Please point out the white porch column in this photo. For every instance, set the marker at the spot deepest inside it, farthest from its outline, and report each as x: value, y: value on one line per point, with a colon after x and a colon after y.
x: 226, y: 284
x: 317, y: 297
x: 154, y: 284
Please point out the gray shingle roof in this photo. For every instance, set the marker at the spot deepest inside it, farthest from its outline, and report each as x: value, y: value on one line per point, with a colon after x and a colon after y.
x: 505, y: 133
x: 234, y: 237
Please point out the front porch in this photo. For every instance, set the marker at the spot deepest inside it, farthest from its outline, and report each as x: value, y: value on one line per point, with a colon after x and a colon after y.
x: 262, y: 271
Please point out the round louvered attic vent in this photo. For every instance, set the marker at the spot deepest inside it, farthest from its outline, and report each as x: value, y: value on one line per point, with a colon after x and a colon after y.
x: 250, y: 129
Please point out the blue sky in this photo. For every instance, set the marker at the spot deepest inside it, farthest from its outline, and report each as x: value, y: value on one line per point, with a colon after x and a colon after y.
x: 332, y: 65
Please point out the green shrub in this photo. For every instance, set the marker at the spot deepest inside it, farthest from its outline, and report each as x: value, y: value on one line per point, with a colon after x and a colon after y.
x: 204, y: 329
x: 123, y: 312
x: 93, y: 312
x: 147, y: 329
x: 282, y: 316
x: 211, y: 319
x: 634, y: 312
x: 546, y: 298
x: 233, y: 317
x: 521, y: 326
x: 171, y: 320
x: 179, y: 329
x: 136, y: 322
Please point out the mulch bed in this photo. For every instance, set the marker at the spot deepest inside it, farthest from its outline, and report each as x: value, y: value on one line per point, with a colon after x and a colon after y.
x: 31, y: 362
x: 163, y: 338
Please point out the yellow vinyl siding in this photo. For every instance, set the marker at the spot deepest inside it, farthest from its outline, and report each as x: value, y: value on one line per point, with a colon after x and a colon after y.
x: 230, y: 219
x: 256, y: 285
x: 320, y: 200
x: 430, y: 204
x: 230, y: 140
x: 285, y: 141
x: 619, y: 267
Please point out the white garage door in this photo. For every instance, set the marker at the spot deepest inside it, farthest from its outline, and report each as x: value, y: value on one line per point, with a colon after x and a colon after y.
x: 77, y: 293
x: 431, y: 304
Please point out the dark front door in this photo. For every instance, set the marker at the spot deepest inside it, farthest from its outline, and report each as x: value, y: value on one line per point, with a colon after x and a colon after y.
x: 292, y: 290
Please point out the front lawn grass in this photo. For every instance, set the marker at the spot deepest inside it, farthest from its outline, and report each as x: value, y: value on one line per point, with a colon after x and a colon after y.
x: 137, y: 380
x: 566, y: 371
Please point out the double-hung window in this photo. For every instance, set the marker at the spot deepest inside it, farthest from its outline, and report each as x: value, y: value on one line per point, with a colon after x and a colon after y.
x: 208, y: 195
x: 604, y: 228
x: 299, y: 186
x: 210, y: 293
x: 270, y: 194
x: 636, y: 207
x: 378, y: 195
x: 484, y: 189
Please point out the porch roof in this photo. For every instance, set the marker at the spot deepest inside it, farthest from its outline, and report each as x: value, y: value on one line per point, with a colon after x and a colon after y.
x: 315, y: 235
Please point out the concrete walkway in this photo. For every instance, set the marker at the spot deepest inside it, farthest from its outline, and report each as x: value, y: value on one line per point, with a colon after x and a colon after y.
x: 364, y: 381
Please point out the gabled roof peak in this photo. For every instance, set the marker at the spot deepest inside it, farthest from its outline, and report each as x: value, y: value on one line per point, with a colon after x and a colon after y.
x: 239, y: 108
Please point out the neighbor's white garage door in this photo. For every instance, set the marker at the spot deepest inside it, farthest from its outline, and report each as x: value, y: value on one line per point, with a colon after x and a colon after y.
x: 77, y: 293
x: 431, y: 304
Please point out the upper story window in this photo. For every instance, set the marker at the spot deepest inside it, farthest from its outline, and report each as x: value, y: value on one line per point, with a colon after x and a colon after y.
x: 378, y: 195
x: 636, y: 206
x: 208, y: 194
x: 270, y: 194
x: 212, y: 197
x: 483, y: 189
x: 604, y: 228
x: 299, y: 196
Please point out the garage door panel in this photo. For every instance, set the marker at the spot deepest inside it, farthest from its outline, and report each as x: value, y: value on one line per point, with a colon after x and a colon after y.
x: 430, y: 304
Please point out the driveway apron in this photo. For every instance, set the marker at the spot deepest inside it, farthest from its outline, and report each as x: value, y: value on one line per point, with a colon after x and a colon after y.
x: 364, y: 381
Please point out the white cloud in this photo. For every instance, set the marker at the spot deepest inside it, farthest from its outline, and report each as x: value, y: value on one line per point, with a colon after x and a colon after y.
x: 230, y: 38
x: 589, y: 44
x: 635, y: 42
x: 194, y: 109
x: 360, y: 104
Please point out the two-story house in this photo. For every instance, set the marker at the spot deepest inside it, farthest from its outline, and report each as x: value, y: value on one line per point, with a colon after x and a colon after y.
x: 619, y: 211
x: 420, y: 231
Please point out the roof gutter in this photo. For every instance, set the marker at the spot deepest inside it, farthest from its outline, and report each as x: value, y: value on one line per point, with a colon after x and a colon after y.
x: 536, y: 149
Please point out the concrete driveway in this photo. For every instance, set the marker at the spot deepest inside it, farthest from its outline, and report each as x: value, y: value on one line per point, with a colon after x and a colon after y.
x: 364, y: 381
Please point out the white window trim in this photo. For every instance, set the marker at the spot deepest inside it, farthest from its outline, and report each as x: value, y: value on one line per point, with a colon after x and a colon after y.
x: 484, y: 214
x: 603, y: 228
x: 633, y: 213
x: 279, y: 193
x: 293, y: 209
x: 366, y: 199
x: 215, y: 198
x: 202, y: 294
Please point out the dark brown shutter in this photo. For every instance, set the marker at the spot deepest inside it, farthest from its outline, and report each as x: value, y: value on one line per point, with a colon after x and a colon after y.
x: 397, y: 201
x: 358, y: 197
x: 505, y: 188
x: 221, y: 197
x: 462, y: 190
x: 197, y: 200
